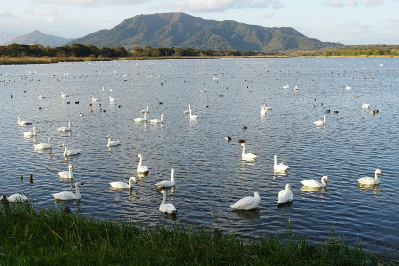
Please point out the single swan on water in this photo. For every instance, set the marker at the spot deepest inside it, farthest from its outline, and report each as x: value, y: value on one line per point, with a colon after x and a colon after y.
x: 65, y: 129
x: 30, y: 133
x: 369, y: 180
x: 247, y: 203
x: 145, y: 111
x: 365, y: 106
x: 111, y: 99
x: 64, y: 95
x: 94, y: 99
x: 286, y: 86
x: 286, y: 195
x: 141, y: 169
x: 281, y: 167
x: 23, y: 123
x: 347, y: 87
x: 70, y: 152
x: 123, y: 184
x: 320, y: 122
x: 141, y: 119
x: 187, y: 111
x: 157, y: 121
x: 264, y: 108
x: 17, y: 198
x: 247, y: 156
x: 112, y: 143
x: 167, y: 207
x: 193, y: 117
x: 69, y: 195
x: 315, y: 183
x: 43, y: 146
x: 67, y: 174
x: 167, y: 183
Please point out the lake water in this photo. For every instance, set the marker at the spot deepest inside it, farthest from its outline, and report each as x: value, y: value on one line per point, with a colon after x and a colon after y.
x: 209, y: 172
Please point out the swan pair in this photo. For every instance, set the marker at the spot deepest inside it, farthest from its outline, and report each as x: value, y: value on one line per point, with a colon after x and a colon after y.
x: 30, y: 133
x: 320, y: 122
x: 264, y: 108
x: 369, y: 180
x: 247, y: 203
x: 123, y: 184
x: 285, y: 196
x: 166, y: 207
x: 167, y: 183
x: 141, y: 169
x: 315, y: 184
x: 66, y: 174
x: 157, y: 121
x: 23, y: 123
x: 281, y: 167
x: 247, y: 156
x: 112, y: 143
x: 65, y: 129
x: 43, y: 146
x: 69, y: 195
x: 70, y: 152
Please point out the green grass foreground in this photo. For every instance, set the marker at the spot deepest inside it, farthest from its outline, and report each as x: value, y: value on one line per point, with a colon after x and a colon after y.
x: 59, y: 237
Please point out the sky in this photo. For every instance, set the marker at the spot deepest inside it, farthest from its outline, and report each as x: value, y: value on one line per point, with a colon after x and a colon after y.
x: 343, y: 21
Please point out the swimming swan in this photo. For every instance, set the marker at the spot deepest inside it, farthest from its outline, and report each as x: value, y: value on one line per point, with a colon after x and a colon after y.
x: 30, y: 133
x: 69, y: 195
x: 145, y: 111
x: 369, y: 180
x: 247, y: 203
x: 365, y: 106
x: 167, y: 183
x: 141, y: 169
x: 94, y: 99
x: 314, y: 183
x: 166, y: 207
x: 286, y: 86
x: 123, y: 184
x: 193, y: 117
x: 64, y: 95
x: 320, y: 122
x: 187, y: 111
x: 264, y: 108
x: 157, y: 121
x: 112, y: 143
x: 67, y: 174
x: 17, y: 198
x: 43, y: 146
x: 141, y: 119
x: 111, y: 99
x: 23, y: 123
x: 70, y: 152
x: 65, y: 129
x: 281, y: 167
x: 247, y: 156
x: 286, y: 195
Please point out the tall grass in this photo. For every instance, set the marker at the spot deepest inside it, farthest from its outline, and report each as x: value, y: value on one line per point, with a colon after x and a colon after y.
x: 56, y: 236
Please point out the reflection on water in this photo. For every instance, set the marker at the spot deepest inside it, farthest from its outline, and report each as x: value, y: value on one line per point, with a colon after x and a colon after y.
x: 210, y: 170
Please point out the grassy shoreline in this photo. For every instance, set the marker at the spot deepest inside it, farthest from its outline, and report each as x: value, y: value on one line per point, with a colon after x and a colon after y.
x: 58, y: 237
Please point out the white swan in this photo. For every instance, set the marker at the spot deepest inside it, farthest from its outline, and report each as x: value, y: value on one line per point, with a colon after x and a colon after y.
x: 286, y: 195
x: 141, y: 119
x: 264, y: 108
x: 17, y: 198
x: 286, y: 86
x: 187, y: 111
x: 369, y: 180
x: 43, y: 146
x: 123, y: 184
x: 23, y: 123
x: 247, y: 203
x: 157, y: 121
x: 193, y: 117
x: 41, y: 97
x: 315, y: 183
x: 365, y: 106
x: 281, y: 167
x: 347, y: 87
x: 111, y: 99
x: 64, y: 95
x: 141, y: 169
x: 66, y: 174
x: 65, y: 129
x: 112, y: 143
x: 30, y: 133
x: 247, y: 156
x: 94, y: 99
x: 296, y: 88
x: 70, y: 152
x: 69, y: 195
x: 145, y: 111
x: 167, y: 183
x: 320, y: 122
x: 166, y: 207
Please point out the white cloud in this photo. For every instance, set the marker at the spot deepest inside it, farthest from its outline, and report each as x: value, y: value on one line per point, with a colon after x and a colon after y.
x: 49, y: 20
x: 220, y: 5
x: 40, y: 2
x: 128, y: 2
x: 352, y: 3
x: 83, y: 3
x: 48, y: 11
x: 373, y: 2
x: 5, y: 14
x: 268, y: 15
x: 334, y: 3
x: 395, y: 19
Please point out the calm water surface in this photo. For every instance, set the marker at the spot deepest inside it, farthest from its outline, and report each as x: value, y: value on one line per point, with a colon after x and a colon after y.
x: 209, y: 172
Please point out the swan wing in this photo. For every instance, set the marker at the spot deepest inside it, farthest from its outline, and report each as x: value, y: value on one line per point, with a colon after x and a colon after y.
x: 17, y: 197
x: 167, y: 208
x: 246, y: 203
x: 368, y: 180
x: 119, y: 185
x: 165, y: 183
x: 65, y: 195
x: 311, y: 183
x: 285, y: 196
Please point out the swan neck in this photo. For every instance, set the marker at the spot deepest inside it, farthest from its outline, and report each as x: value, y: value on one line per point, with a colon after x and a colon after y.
x: 164, y: 197
x: 172, y: 176
x: 109, y: 141
x: 140, y: 162
x: 243, y: 149
x: 70, y: 172
x: 77, y: 191
x: 275, y: 159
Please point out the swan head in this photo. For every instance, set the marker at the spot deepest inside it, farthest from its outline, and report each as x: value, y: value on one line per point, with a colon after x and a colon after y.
x: 139, y: 155
x: 378, y: 171
x: 256, y: 194
x: 243, y: 144
x: 79, y: 184
x: 287, y: 187
x: 107, y: 137
x: 70, y: 166
x: 134, y: 179
x: 325, y: 178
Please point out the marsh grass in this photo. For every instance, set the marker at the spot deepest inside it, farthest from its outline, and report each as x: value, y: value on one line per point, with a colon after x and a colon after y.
x: 57, y: 236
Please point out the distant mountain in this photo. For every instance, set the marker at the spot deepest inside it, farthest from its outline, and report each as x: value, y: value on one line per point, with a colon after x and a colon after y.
x: 36, y: 37
x: 185, y: 31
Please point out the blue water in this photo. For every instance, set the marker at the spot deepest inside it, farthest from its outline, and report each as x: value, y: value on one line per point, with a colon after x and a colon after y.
x: 209, y: 172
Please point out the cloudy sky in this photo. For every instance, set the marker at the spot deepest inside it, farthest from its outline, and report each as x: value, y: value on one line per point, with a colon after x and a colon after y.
x: 344, y: 21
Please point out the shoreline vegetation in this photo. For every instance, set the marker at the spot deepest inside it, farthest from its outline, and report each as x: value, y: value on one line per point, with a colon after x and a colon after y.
x: 37, y: 54
x: 56, y: 236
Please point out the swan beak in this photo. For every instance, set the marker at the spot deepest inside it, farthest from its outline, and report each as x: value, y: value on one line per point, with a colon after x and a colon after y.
x: 81, y: 183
